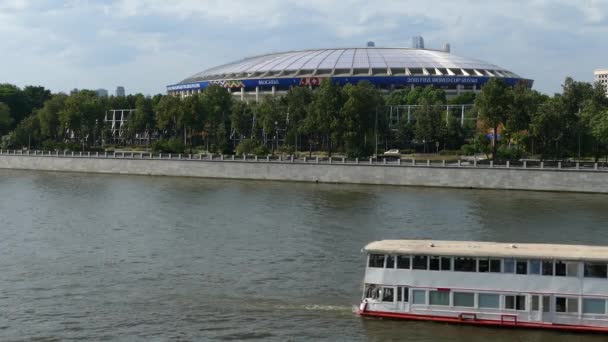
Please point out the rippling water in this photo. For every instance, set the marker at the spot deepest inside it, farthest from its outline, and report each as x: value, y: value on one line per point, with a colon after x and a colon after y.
x: 96, y: 257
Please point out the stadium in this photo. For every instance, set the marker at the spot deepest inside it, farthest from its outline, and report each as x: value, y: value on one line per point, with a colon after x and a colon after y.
x: 387, y: 68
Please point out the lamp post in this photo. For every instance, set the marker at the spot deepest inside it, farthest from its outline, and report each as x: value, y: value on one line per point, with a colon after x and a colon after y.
x: 276, y: 133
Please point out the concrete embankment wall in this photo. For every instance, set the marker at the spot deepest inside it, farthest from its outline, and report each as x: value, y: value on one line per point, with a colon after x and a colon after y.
x: 458, y: 177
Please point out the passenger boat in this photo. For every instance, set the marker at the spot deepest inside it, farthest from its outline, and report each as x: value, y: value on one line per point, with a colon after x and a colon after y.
x: 486, y: 283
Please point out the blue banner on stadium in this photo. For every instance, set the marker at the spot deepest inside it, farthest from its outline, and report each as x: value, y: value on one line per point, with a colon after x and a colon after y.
x: 385, y: 81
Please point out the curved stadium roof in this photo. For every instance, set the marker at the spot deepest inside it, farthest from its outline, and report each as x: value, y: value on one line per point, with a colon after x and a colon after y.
x: 372, y: 61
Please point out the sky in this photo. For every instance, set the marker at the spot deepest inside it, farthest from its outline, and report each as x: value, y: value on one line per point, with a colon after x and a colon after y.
x: 146, y: 45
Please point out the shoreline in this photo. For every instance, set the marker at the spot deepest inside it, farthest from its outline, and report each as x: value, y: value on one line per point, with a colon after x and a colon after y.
x: 453, y: 175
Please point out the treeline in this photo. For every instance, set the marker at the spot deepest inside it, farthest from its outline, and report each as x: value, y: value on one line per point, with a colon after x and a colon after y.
x: 355, y: 120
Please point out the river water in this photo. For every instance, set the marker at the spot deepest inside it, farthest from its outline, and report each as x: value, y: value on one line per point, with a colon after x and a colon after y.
x: 104, y: 257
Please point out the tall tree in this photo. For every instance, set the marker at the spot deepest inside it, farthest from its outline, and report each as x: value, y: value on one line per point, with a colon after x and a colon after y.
x: 36, y: 96
x: 493, y: 104
x: 49, y: 116
x: 360, y: 117
x: 548, y: 127
x: 324, y: 113
x: 16, y: 100
x: 6, y: 120
x: 429, y: 122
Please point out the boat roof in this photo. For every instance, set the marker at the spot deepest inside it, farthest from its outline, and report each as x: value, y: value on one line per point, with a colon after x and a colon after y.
x: 489, y: 249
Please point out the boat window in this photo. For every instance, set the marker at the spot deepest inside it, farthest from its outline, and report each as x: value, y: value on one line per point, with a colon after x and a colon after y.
x: 546, y: 304
x: 563, y: 304
x: 483, y: 265
x: 390, y: 261
x: 572, y: 269
x: 489, y: 265
x: 464, y: 299
x: 594, y: 306
x: 403, y: 262
x: 596, y: 270
x: 521, y: 267
x: 420, y: 262
x: 369, y: 291
x: 560, y: 269
x: 388, y: 294
x: 434, y: 263
x: 547, y: 268
x: 509, y: 266
x: 560, y: 304
x: 534, y: 267
x: 572, y: 305
x: 376, y: 260
x: 489, y: 300
x: 515, y: 303
x: 446, y: 264
x: 439, y: 298
x: 403, y: 294
x: 520, y: 303
x: 419, y: 296
x: 465, y: 264
x: 372, y: 291
x: 440, y: 263
x: 535, y: 303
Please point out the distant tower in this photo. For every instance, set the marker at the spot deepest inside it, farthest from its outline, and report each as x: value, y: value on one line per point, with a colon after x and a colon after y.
x: 447, y: 47
x: 418, y: 42
x: 120, y: 91
x: 101, y: 92
x: 371, y: 44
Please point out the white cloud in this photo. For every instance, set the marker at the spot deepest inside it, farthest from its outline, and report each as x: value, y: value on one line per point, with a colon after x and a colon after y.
x: 147, y: 44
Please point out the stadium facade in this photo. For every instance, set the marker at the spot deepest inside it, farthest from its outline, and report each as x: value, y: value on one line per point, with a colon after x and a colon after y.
x: 387, y: 68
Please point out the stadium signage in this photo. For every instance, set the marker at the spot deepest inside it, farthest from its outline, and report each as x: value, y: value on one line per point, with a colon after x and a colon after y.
x: 184, y: 86
x: 268, y: 82
x: 283, y: 83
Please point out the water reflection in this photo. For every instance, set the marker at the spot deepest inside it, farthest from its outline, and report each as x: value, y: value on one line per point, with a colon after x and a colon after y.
x: 88, y: 257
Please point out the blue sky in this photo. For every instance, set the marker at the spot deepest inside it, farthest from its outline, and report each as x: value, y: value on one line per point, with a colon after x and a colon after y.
x: 146, y: 45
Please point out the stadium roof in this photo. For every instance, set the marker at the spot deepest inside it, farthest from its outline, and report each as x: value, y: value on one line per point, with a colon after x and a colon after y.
x: 372, y: 61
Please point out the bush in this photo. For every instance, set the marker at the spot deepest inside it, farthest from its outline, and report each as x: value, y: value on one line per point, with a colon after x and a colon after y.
x: 468, y: 150
x: 174, y: 145
x: 509, y: 153
x: 251, y: 146
x: 50, y: 145
x: 449, y: 152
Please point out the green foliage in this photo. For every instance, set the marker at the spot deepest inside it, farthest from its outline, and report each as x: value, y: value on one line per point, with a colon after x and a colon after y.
x: 493, y: 104
x: 359, y: 118
x: 174, y: 145
x: 251, y: 146
x: 6, y: 120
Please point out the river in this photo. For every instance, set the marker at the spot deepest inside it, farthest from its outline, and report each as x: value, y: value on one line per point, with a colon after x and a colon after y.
x: 104, y: 257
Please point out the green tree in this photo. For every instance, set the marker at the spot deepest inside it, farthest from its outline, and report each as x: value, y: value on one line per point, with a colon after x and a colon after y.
x: 36, y: 96
x: 493, y: 104
x: 323, y: 117
x: 548, y: 127
x: 429, y: 123
x: 217, y: 103
x: 6, y: 120
x: 360, y: 118
x: 167, y: 114
x: 298, y: 101
x: 16, y: 100
x: 241, y: 120
x: 49, y: 117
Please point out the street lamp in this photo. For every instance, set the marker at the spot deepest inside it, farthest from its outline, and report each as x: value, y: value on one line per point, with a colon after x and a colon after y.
x: 276, y: 133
